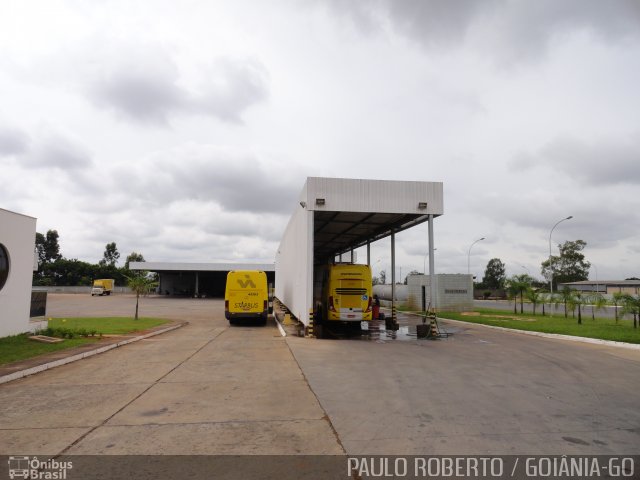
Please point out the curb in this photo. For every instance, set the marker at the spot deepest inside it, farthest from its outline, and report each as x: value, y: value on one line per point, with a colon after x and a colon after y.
x: 74, y: 358
x: 280, y: 327
x: 556, y: 336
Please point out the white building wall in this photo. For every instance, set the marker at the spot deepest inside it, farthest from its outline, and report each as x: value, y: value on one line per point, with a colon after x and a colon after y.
x: 384, y: 196
x: 454, y: 292
x: 294, y: 264
x: 17, y: 235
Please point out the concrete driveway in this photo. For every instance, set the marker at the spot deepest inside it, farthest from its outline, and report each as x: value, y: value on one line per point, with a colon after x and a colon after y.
x: 481, y: 391
x: 211, y: 389
x: 203, y: 389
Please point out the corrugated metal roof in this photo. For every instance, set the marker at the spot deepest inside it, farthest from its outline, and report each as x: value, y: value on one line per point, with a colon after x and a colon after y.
x: 200, y: 267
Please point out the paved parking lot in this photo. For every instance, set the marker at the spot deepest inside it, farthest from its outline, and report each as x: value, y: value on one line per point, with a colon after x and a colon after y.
x: 211, y: 389
x: 202, y: 389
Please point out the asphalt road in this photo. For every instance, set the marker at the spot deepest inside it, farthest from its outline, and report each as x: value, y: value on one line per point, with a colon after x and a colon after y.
x: 211, y: 389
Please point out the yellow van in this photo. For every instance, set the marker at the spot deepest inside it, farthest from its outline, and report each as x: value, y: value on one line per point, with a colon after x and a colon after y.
x: 246, y: 296
x: 346, y: 293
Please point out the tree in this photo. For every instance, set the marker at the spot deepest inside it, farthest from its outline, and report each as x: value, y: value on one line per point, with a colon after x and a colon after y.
x: 52, y: 246
x: 631, y: 305
x: 512, y: 294
x: 383, y: 277
x: 518, y: 285
x: 110, y: 255
x: 598, y: 302
x: 535, y: 297
x: 617, y: 299
x: 564, y: 297
x: 133, y: 257
x: 494, y: 274
x: 569, y: 266
x: 412, y: 272
x: 140, y: 284
x: 578, y: 298
x: 40, y: 240
x: 543, y: 299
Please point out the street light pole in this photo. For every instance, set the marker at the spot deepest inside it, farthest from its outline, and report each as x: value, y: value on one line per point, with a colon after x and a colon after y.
x: 469, y: 256
x: 550, y: 266
x: 424, y: 263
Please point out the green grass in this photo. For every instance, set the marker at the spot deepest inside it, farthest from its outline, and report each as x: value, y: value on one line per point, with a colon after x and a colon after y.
x: 107, y: 325
x: 19, y: 347
x: 602, y: 328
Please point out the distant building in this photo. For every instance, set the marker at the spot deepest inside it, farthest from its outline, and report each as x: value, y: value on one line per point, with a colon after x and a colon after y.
x: 607, y: 287
x: 454, y: 292
x: 17, y: 261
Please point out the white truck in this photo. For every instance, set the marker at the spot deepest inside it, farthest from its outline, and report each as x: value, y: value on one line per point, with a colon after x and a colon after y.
x: 103, y: 286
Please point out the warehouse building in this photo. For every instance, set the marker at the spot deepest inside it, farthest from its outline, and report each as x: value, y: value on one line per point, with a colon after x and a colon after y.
x: 608, y: 287
x: 197, y: 279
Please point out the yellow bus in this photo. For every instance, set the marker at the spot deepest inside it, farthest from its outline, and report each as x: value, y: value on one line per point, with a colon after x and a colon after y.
x: 246, y: 296
x: 346, y: 294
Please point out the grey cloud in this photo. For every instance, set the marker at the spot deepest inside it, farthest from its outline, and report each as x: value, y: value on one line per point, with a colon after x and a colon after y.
x: 600, y: 218
x: 512, y: 30
x: 13, y: 141
x: 46, y: 149
x: 598, y: 163
x: 237, y: 181
x: 147, y: 87
x: 56, y: 151
x: 235, y: 86
x: 595, y: 164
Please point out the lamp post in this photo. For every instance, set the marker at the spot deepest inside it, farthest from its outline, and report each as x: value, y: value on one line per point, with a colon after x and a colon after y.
x: 424, y: 263
x: 469, y: 255
x: 551, y: 266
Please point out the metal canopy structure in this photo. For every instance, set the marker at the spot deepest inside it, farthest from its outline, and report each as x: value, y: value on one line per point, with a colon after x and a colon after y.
x: 197, y: 279
x: 338, y: 215
x: 335, y: 233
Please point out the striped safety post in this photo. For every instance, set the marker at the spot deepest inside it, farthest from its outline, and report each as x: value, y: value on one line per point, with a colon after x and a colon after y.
x: 433, y: 329
x: 310, y: 326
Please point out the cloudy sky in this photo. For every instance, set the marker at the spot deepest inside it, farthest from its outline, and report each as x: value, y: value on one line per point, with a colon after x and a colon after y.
x: 185, y: 130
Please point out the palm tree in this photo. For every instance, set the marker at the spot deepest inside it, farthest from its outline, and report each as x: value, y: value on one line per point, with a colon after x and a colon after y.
x: 618, y: 299
x: 544, y: 298
x: 565, y: 296
x: 140, y: 284
x: 598, y: 302
x: 534, y: 297
x: 631, y: 305
x: 512, y: 294
x: 578, y: 299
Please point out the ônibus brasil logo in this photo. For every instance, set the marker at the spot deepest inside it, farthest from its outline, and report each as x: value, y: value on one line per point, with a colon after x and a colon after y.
x: 34, y: 469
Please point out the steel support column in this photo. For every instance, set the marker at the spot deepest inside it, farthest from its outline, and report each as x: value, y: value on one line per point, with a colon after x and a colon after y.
x: 393, y: 276
x: 432, y: 272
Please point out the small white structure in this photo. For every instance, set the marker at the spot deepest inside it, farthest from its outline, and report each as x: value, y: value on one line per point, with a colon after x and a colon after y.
x: 454, y: 292
x: 17, y: 247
